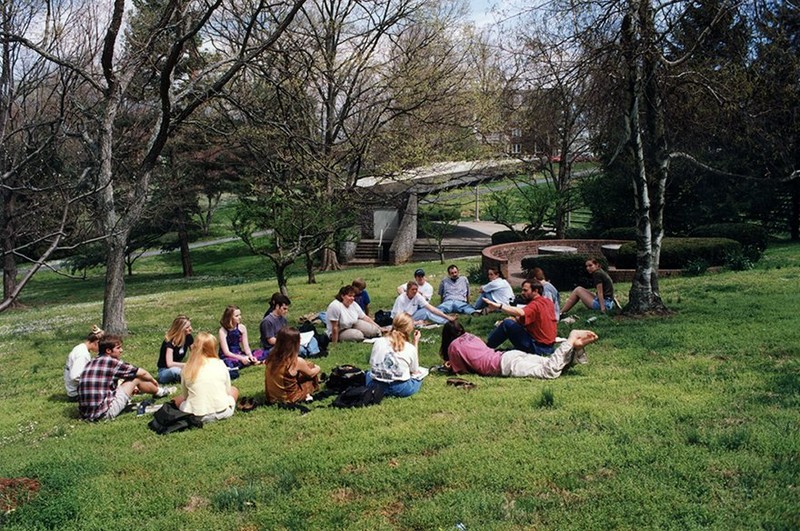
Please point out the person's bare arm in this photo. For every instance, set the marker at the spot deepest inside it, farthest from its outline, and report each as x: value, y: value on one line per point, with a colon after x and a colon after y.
x: 307, y: 368
x: 334, y: 331
x: 513, y: 311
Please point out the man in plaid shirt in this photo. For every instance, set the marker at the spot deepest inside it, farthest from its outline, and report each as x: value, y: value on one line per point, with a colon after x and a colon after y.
x: 101, y: 395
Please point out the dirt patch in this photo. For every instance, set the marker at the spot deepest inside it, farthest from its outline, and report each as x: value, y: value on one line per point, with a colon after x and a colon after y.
x: 15, y: 492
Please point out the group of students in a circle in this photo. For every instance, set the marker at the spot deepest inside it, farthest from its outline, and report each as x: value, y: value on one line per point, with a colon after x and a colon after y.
x: 103, y: 386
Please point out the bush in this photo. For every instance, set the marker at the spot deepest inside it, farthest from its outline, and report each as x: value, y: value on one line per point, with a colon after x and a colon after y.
x: 752, y: 237
x: 619, y: 233
x: 564, y: 271
x: 578, y: 233
x: 695, y: 268
x: 506, y: 236
x: 738, y: 261
x: 677, y: 253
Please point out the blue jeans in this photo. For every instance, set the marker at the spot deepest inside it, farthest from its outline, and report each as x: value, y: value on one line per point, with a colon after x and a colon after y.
x: 169, y: 375
x: 310, y: 350
x: 398, y: 389
x: 608, y: 303
x: 453, y: 306
x: 424, y: 315
x: 519, y: 337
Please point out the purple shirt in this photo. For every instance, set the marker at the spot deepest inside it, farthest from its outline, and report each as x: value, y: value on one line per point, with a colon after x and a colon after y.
x: 469, y: 353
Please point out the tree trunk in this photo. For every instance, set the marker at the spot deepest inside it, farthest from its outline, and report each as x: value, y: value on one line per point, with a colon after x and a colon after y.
x: 330, y: 262
x: 280, y: 276
x: 9, y: 243
x: 186, y: 258
x: 312, y: 278
x: 794, y: 221
x: 114, y: 296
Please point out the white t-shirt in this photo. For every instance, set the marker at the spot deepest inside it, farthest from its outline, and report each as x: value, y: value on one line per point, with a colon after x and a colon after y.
x: 403, y: 304
x: 500, y: 289
x: 76, y: 362
x: 346, y: 317
x: 386, y: 365
x: 426, y: 290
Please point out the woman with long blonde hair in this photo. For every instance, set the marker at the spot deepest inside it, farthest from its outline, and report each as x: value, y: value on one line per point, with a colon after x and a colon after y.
x: 394, y: 361
x: 177, y: 342
x: 289, y: 378
x: 206, y: 389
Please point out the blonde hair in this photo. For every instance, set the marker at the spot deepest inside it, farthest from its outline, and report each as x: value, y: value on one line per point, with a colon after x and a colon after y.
x: 95, y: 335
x: 205, y: 346
x: 177, y: 332
x: 402, y: 328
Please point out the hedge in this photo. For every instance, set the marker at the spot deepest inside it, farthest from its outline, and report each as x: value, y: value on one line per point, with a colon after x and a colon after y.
x: 752, y: 237
x: 506, y: 236
x: 619, y: 233
x: 677, y: 253
x: 564, y: 271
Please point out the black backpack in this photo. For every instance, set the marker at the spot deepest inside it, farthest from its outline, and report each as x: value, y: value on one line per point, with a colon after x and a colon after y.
x: 359, y: 396
x: 169, y: 419
x: 383, y: 318
x: 345, y: 376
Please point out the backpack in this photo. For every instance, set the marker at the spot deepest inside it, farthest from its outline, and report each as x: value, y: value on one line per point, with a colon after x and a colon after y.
x: 383, y: 318
x: 345, y: 376
x: 359, y: 396
x: 169, y: 419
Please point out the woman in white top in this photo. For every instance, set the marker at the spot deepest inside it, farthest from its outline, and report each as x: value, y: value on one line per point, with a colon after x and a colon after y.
x: 394, y: 361
x: 346, y: 320
x: 77, y: 360
x: 497, y: 290
x: 206, y: 389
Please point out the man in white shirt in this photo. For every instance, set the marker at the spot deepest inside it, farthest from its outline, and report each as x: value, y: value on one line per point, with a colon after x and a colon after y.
x: 414, y: 304
x: 424, y: 287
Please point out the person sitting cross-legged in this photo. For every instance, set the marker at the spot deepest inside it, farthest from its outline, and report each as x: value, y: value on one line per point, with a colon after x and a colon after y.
x: 394, y: 362
x: 465, y: 353
x: 275, y: 320
x: 101, y: 395
x: 497, y: 289
x: 530, y: 329
x: 454, y: 291
x: 414, y: 304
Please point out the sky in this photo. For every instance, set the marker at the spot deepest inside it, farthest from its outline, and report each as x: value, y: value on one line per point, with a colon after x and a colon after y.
x: 480, y: 11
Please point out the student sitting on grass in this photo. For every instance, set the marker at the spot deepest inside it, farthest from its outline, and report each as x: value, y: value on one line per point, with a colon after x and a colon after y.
x: 496, y: 290
x: 394, y: 361
x: 603, y: 285
x: 234, y: 348
x: 100, y: 395
x: 275, y: 320
x: 206, y: 389
x: 77, y: 360
x: 465, y: 353
x: 287, y: 377
x: 346, y: 321
x: 174, y: 348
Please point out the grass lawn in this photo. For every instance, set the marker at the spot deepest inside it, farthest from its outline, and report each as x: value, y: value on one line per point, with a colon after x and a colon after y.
x: 690, y: 421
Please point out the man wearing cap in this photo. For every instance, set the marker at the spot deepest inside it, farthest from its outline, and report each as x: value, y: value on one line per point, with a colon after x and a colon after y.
x: 530, y: 329
x: 454, y: 291
x: 424, y: 287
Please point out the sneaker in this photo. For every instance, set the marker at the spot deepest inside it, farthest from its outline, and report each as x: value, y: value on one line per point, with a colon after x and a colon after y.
x: 579, y: 356
x: 165, y: 391
x: 141, y: 409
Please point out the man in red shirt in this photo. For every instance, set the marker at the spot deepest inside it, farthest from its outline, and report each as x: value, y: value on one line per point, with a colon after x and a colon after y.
x: 530, y: 329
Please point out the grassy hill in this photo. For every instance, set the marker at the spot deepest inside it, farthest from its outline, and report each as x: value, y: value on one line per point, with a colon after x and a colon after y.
x: 689, y: 421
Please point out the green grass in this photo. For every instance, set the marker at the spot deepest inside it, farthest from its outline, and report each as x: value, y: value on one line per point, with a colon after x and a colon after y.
x: 681, y: 422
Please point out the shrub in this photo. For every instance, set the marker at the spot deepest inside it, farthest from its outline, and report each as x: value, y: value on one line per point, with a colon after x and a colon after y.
x: 677, y: 253
x: 564, y: 271
x: 695, y: 268
x: 619, y: 233
x: 752, y: 237
x: 476, y: 275
x: 578, y: 233
x: 738, y: 261
x: 506, y: 236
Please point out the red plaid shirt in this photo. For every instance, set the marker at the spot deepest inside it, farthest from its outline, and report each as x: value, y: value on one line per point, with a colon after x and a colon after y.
x: 99, y: 384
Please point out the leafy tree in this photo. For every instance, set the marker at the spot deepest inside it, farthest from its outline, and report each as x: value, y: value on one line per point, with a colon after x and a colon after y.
x: 530, y: 205
x: 438, y: 223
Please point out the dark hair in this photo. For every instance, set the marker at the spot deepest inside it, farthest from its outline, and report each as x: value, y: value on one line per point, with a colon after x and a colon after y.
x: 496, y: 270
x: 287, y: 346
x: 538, y: 274
x: 534, y: 284
x: 108, y: 343
x: 452, y: 266
x: 273, y: 303
x: 451, y: 331
x: 227, y: 317
x: 345, y: 290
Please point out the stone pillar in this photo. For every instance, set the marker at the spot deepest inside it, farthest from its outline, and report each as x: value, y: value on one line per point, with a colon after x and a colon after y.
x: 402, y: 247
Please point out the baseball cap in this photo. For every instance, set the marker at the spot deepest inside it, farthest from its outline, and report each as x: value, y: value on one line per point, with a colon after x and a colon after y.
x: 419, y: 273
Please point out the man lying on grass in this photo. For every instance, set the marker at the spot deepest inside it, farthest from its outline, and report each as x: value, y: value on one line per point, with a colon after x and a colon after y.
x: 463, y: 352
x: 101, y: 395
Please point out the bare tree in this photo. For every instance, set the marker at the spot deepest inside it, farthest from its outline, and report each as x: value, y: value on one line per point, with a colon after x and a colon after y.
x: 126, y: 129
